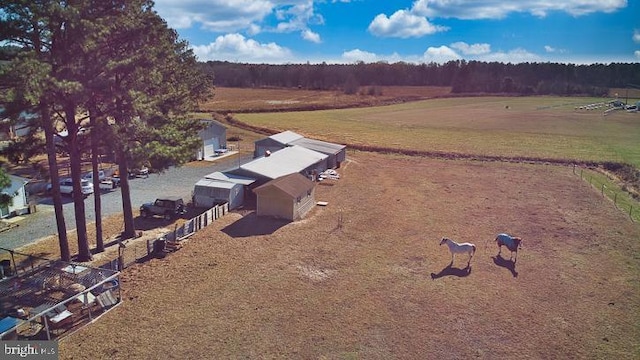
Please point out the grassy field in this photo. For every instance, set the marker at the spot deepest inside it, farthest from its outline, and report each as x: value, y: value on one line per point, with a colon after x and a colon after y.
x: 543, y: 127
x: 283, y: 99
x: 364, y: 277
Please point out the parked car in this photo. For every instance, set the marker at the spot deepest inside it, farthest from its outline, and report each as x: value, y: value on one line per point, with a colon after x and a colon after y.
x: 66, y: 187
x: 141, y: 172
x: 89, y: 175
x: 167, y: 207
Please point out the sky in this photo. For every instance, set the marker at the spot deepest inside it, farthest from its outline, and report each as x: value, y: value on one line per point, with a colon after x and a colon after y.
x: 419, y: 31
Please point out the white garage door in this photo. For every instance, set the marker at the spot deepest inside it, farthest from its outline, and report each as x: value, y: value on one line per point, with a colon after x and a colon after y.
x: 210, y: 146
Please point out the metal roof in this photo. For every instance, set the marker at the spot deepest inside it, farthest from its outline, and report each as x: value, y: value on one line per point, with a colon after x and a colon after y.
x: 216, y: 183
x: 293, y: 185
x: 287, y: 161
x: 319, y: 145
x: 228, y: 177
x: 16, y: 183
x: 286, y: 137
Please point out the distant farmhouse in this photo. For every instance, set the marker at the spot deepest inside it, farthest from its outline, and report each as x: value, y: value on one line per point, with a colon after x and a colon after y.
x: 16, y: 129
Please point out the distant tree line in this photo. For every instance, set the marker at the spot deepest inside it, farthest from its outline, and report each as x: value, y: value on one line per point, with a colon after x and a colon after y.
x: 463, y: 76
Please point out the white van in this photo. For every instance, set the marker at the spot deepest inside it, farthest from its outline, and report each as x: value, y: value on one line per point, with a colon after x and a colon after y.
x: 66, y: 187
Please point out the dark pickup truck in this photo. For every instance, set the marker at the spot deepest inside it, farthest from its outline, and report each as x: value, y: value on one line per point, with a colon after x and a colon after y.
x: 167, y: 207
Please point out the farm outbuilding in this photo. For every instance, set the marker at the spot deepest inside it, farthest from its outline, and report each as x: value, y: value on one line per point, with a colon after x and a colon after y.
x: 19, y: 201
x: 293, y: 159
x: 289, y: 197
x: 336, y: 153
x: 214, y: 137
x: 274, y: 143
x: 219, y: 187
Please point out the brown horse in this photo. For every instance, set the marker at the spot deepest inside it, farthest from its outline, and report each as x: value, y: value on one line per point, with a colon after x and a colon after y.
x: 512, y: 243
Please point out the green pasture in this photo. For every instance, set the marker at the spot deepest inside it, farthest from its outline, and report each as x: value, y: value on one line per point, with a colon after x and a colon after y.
x: 541, y: 127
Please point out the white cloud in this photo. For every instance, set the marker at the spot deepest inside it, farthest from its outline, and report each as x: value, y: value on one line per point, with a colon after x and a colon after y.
x: 636, y: 35
x: 403, y: 24
x: 497, y: 9
x: 237, y: 48
x: 552, y: 50
x: 637, y: 54
x: 252, y: 16
x: 514, y: 56
x: 356, y: 55
x: 215, y: 15
x: 474, y: 49
x: 311, y: 36
x: 440, y: 55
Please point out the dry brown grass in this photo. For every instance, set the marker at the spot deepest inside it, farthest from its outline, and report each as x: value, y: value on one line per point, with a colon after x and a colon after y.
x: 281, y: 99
x: 378, y: 287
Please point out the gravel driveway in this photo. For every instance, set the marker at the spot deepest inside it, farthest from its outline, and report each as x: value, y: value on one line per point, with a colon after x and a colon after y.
x: 174, y: 181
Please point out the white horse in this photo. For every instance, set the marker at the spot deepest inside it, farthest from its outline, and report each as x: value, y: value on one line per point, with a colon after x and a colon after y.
x: 459, y: 248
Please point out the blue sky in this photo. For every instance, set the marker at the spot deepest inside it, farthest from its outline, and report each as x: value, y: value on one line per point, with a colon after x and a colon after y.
x: 419, y: 31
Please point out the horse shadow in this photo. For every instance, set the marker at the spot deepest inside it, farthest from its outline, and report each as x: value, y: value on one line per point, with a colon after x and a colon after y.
x: 507, y: 264
x: 449, y: 270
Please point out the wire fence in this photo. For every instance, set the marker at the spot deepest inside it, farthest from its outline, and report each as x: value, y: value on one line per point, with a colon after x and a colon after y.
x: 621, y: 199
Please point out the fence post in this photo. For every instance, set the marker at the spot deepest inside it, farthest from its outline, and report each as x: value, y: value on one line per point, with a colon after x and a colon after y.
x: 581, y: 170
x: 630, y: 210
x: 574, y: 169
x: 603, y: 190
x: 615, y: 200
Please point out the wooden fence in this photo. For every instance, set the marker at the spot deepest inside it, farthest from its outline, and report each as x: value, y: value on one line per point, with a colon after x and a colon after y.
x: 135, y: 252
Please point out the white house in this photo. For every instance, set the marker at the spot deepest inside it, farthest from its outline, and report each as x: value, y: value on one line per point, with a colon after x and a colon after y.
x: 18, y: 194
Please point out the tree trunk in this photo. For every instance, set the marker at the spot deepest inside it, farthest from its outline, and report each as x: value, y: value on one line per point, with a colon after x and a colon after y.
x: 127, y: 211
x: 97, y: 201
x: 47, y: 126
x: 84, y: 254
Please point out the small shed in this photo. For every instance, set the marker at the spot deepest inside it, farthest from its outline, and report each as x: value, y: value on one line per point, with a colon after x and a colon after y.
x: 288, y: 197
x: 214, y: 137
x: 219, y: 187
x: 20, y: 203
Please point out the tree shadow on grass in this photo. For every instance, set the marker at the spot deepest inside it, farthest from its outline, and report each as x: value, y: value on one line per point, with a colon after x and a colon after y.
x: 507, y: 264
x: 449, y: 270
x: 252, y: 224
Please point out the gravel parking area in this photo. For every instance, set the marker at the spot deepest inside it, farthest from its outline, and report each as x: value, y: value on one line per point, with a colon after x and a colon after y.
x: 174, y: 181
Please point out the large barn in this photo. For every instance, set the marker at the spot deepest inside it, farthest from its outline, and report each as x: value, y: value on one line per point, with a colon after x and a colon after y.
x: 336, y: 153
x: 293, y: 159
x: 289, y: 197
